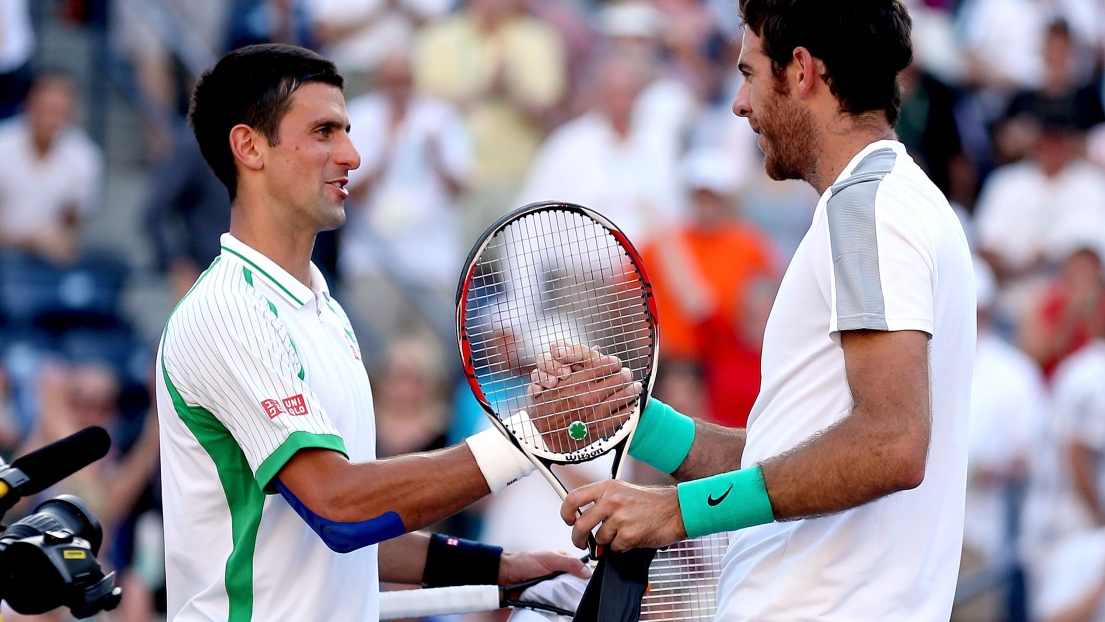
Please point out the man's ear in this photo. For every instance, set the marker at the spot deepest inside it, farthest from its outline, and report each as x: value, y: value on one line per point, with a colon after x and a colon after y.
x: 808, y: 71
x: 248, y: 146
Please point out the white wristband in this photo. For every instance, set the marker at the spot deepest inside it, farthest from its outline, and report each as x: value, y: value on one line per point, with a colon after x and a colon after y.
x: 500, y: 461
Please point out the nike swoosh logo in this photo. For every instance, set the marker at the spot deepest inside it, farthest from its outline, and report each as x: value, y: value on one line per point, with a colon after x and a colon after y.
x: 711, y: 501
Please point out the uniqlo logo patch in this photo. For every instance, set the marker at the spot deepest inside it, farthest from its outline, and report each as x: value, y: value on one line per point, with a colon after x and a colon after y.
x: 272, y: 408
x: 296, y: 405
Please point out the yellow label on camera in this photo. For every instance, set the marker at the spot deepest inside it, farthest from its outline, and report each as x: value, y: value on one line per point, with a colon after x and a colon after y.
x: 74, y: 554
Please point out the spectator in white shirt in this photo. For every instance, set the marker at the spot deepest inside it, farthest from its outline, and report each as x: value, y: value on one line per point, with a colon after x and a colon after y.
x: 1008, y: 404
x: 600, y: 160
x: 1063, y: 536
x: 403, y: 230
x: 358, y: 35
x: 1033, y: 214
x: 51, y: 175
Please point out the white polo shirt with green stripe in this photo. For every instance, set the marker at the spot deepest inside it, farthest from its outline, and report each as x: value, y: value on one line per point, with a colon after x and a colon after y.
x: 254, y: 366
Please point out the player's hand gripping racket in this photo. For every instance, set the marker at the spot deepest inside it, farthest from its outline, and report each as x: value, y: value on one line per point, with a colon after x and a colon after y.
x: 558, y: 275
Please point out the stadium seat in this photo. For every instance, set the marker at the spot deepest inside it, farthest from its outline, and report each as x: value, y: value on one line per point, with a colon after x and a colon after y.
x: 34, y: 292
x: 114, y: 346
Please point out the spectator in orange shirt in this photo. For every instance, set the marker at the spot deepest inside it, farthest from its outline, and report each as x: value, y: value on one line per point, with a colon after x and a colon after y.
x: 731, y: 347
x: 699, y: 270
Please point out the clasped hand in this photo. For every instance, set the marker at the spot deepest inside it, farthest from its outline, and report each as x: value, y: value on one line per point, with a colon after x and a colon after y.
x: 579, y: 395
x: 576, y: 383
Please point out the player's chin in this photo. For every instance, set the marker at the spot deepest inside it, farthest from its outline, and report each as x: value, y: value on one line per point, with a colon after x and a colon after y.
x: 333, y: 217
x: 778, y: 169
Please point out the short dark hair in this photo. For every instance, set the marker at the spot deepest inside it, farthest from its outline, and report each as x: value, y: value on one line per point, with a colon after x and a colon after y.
x: 252, y: 85
x: 864, y: 44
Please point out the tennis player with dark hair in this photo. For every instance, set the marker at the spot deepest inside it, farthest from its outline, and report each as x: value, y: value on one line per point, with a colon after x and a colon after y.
x: 274, y: 501
x: 844, y: 495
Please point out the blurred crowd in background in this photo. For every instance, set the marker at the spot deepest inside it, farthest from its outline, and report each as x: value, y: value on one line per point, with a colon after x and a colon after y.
x: 462, y: 110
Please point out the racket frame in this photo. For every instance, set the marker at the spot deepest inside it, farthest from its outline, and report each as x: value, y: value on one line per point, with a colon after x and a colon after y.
x: 620, y: 440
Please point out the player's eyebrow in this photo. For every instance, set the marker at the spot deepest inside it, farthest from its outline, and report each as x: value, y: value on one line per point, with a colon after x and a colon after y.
x: 331, y: 124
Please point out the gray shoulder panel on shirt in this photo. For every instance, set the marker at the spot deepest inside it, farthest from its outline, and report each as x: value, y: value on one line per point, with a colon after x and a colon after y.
x: 851, y: 214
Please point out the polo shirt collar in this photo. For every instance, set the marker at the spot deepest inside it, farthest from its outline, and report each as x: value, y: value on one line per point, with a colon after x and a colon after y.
x: 283, y: 283
x: 885, y: 143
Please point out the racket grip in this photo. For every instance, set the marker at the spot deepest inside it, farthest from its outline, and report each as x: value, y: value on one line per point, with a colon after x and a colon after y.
x: 438, y: 601
x: 595, y: 549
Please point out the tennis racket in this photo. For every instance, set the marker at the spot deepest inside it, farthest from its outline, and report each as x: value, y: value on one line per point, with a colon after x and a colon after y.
x: 555, y: 273
x: 682, y: 587
x: 683, y: 580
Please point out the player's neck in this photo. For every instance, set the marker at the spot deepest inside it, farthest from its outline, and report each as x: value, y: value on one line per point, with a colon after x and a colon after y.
x: 842, y: 141
x: 291, y: 250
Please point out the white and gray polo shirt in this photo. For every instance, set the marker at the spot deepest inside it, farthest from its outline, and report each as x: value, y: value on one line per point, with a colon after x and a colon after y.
x: 884, y: 252
x: 254, y: 366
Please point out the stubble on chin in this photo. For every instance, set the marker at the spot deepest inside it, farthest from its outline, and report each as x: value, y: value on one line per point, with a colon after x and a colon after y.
x: 792, y: 149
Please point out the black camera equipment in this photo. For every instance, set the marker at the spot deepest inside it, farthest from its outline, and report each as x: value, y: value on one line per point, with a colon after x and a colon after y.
x: 48, y: 558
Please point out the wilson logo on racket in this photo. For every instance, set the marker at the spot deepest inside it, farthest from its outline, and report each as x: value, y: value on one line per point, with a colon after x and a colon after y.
x: 296, y: 405
x: 272, y: 408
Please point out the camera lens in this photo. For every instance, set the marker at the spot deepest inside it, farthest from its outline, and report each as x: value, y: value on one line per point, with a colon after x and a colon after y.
x: 62, y: 513
x: 42, y: 567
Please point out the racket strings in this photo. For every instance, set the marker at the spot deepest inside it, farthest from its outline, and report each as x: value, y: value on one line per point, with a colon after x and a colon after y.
x: 556, y: 276
x: 683, y: 581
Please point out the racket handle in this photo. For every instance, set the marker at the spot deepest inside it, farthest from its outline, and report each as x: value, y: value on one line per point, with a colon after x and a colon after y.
x: 594, y: 548
x: 438, y: 601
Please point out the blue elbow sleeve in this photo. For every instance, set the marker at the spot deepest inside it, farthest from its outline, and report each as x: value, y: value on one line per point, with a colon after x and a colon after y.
x: 346, y: 537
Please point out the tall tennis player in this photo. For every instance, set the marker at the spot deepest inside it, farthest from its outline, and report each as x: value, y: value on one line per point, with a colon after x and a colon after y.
x: 275, y: 503
x: 844, y: 495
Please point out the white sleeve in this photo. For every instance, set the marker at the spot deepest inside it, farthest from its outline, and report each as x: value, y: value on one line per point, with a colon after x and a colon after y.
x: 882, y: 268
x: 230, y: 358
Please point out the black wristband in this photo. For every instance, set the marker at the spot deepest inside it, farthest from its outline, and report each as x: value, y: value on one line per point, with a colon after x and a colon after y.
x: 454, y: 561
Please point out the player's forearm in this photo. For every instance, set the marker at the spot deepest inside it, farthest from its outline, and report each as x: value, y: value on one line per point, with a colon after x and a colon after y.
x: 852, y: 463
x: 716, y: 449
x: 425, y: 488
x: 403, y: 559
x: 880, y: 448
x: 420, y: 488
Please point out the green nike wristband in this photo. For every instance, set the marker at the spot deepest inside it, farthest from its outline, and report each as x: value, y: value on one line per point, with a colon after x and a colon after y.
x: 663, y: 438
x: 725, y: 502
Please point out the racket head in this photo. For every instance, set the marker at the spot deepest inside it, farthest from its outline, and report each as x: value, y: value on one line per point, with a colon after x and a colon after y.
x: 683, y: 580
x: 553, y: 272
